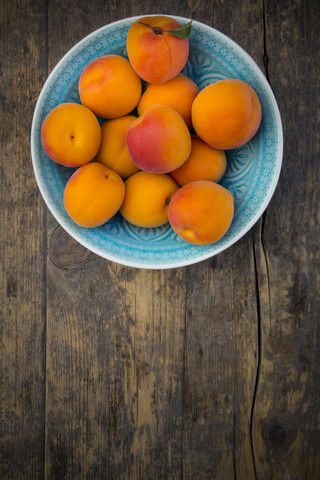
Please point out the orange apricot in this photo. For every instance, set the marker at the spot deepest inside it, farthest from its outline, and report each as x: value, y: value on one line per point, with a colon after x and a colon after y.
x: 146, y: 199
x: 155, y: 54
x: 201, y: 212
x: 159, y: 140
x: 110, y: 87
x: 178, y: 93
x: 113, y: 151
x: 93, y: 194
x: 203, y: 163
x: 71, y: 134
x: 226, y: 114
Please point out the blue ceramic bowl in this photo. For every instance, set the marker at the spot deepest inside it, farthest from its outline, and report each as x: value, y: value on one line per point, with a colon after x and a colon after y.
x: 252, y: 173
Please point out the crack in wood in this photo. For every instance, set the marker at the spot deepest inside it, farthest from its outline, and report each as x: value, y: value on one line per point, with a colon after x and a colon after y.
x: 183, y: 391
x: 234, y: 447
x: 255, y: 390
x: 265, y: 51
x: 259, y: 334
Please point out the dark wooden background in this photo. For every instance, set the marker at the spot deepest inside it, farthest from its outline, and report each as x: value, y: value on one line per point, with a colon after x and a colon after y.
x: 205, y: 372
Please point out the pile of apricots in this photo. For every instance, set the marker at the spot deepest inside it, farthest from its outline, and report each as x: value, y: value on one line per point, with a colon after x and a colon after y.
x: 158, y: 151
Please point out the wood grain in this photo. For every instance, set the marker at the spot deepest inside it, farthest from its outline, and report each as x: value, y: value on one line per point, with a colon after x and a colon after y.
x: 23, y: 245
x: 286, y: 416
x: 203, y: 372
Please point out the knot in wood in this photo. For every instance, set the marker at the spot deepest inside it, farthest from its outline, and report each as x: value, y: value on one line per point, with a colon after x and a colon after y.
x: 65, y: 252
x: 280, y: 431
x: 276, y: 436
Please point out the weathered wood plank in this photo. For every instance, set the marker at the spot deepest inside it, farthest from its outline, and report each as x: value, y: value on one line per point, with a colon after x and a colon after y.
x: 286, y: 415
x: 160, y: 350
x: 23, y: 245
x: 220, y: 366
x: 113, y: 354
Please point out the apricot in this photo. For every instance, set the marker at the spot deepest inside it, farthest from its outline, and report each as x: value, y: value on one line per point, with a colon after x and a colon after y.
x: 159, y: 140
x: 71, y: 134
x: 177, y: 93
x: 113, y: 151
x: 203, y: 163
x: 201, y: 212
x: 226, y: 114
x: 93, y: 194
x: 110, y: 87
x: 146, y: 199
x: 155, y: 54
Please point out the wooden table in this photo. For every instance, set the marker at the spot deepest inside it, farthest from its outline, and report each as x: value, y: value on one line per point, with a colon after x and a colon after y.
x: 205, y: 372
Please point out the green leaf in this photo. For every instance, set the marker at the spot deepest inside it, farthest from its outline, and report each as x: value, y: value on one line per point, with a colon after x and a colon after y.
x: 181, y: 32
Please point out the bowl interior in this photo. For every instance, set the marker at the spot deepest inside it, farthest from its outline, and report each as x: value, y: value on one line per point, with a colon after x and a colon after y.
x: 252, y: 172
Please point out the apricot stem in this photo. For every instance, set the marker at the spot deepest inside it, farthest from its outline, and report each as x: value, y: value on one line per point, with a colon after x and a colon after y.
x: 157, y: 30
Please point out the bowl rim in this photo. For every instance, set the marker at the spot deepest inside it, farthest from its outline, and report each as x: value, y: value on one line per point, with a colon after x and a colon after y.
x: 206, y: 255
